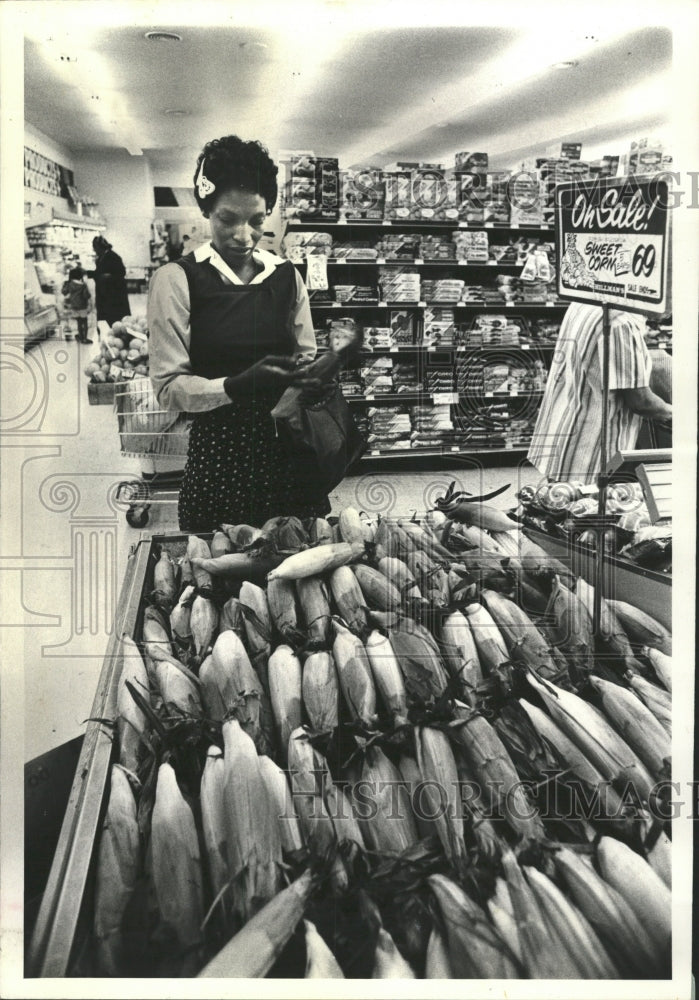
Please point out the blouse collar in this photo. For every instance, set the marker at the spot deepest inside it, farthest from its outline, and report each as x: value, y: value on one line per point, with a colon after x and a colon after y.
x: 269, y: 262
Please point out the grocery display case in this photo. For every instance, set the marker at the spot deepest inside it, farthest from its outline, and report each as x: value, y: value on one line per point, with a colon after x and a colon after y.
x: 60, y: 941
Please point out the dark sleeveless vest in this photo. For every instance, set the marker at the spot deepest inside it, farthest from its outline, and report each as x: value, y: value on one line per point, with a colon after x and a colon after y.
x: 234, y: 326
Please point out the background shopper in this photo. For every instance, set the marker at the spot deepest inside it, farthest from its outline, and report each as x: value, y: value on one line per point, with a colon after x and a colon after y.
x: 111, y: 299
x: 76, y: 301
x: 566, y: 443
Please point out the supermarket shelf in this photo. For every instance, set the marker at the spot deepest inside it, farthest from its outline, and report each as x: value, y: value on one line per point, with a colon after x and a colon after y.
x: 446, y: 452
x: 412, y: 349
x: 312, y: 224
x: 437, y: 398
x: 79, y: 221
x: 415, y: 262
x: 475, y: 306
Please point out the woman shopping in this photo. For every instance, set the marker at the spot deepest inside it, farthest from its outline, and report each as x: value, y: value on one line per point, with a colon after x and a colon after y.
x: 111, y: 299
x: 229, y: 325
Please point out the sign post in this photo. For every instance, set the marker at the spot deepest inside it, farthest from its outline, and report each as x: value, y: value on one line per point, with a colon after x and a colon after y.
x: 612, y: 248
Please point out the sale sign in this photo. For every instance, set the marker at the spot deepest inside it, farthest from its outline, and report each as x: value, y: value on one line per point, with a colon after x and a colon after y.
x: 612, y: 242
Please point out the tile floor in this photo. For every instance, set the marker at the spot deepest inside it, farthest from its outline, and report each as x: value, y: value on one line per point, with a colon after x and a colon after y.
x: 68, y: 555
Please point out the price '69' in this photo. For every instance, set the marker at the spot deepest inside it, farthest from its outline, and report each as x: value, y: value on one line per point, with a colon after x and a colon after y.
x: 643, y: 260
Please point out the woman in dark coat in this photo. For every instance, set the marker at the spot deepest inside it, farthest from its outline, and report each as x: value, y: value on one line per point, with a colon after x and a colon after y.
x: 111, y: 300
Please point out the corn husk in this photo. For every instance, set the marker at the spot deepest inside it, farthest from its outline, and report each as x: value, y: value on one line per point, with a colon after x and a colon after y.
x: 254, y: 839
x: 319, y: 560
x: 314, y: 611
x: 285, y: 692
x: 492, y: 650
x: 636, y: 723
x: 180, y: 616
x: 388, y: 961
x: 476, y: 950
x: 488, y: 759
x: 197, y: 549
x: 635, y: 952
x: 321, y: 692
x: 388, y: 677
x: 354, y: 674
x: 204, y: 625
x: 349, y: 600
x: 388, y: 826
x: 177, y: 872
x: 423, y: 673
x: 118, y: 868
x: 254, y: 949
x: 438, y: 769
x: 280, y: 793
x: 600, y: 743
x: 461, y: 655
x: 230, y: 685
x: 213, y: 820
x: 164, y: 582
x: 642, y: 627
x: 641, y: 887
x: 231, y: 618
x: 258, y: 628
x: 320, y: 961
x: 379, y: 593
x: 131, y: 721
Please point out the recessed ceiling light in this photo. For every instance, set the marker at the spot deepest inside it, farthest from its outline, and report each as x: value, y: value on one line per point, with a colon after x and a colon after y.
x: 253, y: 46
x: 162, y: 36
x: 568, y: 64
x: 176, y: 112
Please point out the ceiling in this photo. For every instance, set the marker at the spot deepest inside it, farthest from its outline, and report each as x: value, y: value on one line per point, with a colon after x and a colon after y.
x: 367, y: 92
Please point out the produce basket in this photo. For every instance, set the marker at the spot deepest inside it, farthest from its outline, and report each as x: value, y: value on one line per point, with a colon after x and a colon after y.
x: 149, y: 432
x: 412, y: 909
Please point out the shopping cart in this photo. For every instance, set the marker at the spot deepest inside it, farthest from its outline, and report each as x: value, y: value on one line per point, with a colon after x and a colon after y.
x: 157, y: 436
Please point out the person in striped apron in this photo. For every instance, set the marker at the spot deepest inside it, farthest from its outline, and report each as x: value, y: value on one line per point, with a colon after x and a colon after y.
x: 566, y: 443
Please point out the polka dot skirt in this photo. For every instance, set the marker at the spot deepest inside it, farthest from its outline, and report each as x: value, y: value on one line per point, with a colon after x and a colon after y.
x: 237, y: 471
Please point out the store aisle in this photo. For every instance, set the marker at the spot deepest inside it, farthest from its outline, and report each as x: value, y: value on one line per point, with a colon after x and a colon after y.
x: 76, y: 564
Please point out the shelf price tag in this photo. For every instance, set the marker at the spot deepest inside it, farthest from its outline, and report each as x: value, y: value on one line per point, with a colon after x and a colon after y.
x: 418, y: 260
x: 445, y: 398
x: 455, y: 447
x: 374, y: 451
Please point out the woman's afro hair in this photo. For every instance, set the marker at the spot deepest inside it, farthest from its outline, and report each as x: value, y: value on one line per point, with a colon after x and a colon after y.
x: 231, y: 163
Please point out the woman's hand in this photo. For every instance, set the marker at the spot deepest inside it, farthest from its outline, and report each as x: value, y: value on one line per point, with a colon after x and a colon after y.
x: 268, y: 373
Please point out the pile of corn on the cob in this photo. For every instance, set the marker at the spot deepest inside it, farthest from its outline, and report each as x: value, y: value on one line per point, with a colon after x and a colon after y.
x: 322, y: 749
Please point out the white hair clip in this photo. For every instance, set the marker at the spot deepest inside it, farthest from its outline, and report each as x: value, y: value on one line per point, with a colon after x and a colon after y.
x: 205, y: 187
